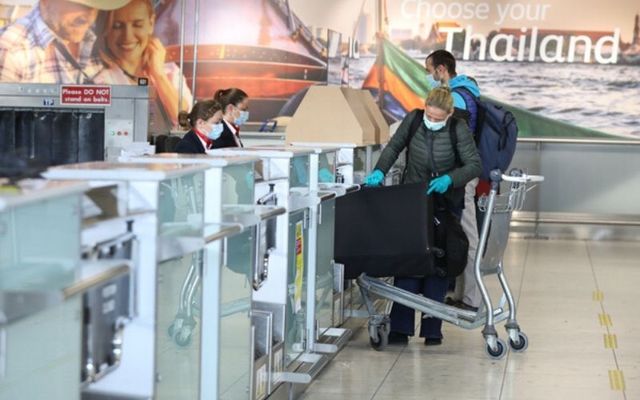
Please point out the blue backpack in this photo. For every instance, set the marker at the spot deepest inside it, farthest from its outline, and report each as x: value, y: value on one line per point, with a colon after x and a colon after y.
x: 495, y: 131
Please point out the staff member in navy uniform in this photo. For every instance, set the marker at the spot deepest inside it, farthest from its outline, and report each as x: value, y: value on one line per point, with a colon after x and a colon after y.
x: 205, y: 121
x: 235, y: 106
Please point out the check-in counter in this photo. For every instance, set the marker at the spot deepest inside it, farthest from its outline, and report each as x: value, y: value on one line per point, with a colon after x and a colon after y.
x: 163, y: 205
x: 46, y: 293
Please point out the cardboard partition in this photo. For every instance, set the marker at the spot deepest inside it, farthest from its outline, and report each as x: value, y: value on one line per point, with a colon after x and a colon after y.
x: 337, y: 115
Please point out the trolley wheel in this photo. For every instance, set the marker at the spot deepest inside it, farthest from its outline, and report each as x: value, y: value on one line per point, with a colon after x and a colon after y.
x: 382, y: 339
x: 171, y: 329
x: 499, y: 351
x: 523, y: 343
x: 176, y: 326
x: 183, y: 337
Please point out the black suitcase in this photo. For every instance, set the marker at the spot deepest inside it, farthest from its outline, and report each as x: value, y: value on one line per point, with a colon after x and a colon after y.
x: 385, y: 231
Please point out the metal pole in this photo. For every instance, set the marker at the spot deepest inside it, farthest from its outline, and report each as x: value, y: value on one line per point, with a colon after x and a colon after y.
x: 196, y: 31
x: 380, y: 54
x: 380, y: 18
x: 182, y: 28
x: 536, y: 233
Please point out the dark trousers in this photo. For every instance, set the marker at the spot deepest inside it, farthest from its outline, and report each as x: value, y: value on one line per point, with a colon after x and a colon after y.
x: 403, y: 318
x: 479, y: 217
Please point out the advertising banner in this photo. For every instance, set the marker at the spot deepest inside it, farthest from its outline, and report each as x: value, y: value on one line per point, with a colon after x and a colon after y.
x: 565, y: 68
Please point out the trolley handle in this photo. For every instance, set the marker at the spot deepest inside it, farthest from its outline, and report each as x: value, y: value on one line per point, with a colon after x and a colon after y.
x: 515, y: 176
x: 524, y: 178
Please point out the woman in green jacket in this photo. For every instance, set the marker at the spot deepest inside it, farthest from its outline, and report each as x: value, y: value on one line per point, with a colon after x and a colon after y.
x: 431, y: 158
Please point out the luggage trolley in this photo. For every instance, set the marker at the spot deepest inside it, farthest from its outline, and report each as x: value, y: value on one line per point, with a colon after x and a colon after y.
x: 489, y: 261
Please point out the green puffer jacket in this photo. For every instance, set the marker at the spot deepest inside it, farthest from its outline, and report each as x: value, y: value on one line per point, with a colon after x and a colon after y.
x: 419, y: 163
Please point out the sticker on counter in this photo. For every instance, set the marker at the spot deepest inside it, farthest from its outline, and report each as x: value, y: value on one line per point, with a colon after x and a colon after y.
x: 278, y: 366
x: 297, y: 298
x: 261, y: 382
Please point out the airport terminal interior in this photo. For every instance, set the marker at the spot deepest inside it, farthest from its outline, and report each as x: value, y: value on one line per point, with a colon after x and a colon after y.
x: 304, y: 200
x: 564, y: 288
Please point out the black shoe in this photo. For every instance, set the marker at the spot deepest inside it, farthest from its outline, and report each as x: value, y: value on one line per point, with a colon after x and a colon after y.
x: 398, y: 338
x: 465, y: 306
x: 450, y: 301
x: 432, y: 341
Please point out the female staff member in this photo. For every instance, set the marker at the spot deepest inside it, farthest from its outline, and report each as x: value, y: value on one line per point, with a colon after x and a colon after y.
x: 235, y: 105
x: 129, y: 50
x: 206, y: 127
x: 431, y: 156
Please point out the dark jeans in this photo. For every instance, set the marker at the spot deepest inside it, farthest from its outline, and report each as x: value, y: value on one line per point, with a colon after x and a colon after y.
x: 403, y: 318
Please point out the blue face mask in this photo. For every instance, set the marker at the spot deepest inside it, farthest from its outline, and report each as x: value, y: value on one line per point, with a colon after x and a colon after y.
x: 434, y: 126
x: 244, y: 117
x: 215, y: 132
x: 432, y: 82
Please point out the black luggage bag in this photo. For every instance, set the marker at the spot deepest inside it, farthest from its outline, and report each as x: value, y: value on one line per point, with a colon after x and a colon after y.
x: 385, y: 231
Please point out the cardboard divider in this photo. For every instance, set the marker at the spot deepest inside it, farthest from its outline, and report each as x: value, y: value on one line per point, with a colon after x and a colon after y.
x: 338, y: 115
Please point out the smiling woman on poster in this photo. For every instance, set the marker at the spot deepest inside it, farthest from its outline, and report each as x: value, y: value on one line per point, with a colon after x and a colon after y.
x: 130, y: 50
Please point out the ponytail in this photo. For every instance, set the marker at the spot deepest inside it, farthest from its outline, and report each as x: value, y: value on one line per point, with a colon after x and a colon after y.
x: 203, y: 110
x: 233, y: 96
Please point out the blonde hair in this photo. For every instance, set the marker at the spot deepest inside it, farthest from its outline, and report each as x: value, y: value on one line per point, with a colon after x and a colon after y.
x: 441, y: 98
x: 103, y: 49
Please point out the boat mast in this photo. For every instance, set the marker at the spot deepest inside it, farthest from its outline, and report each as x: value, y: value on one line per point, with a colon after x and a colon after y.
x: 380, y: 11
x: 292, y: 21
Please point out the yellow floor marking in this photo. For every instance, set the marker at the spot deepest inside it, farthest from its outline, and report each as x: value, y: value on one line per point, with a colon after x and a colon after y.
x: 605, y: 320
x: 616, y: 379
x: 610, y: 342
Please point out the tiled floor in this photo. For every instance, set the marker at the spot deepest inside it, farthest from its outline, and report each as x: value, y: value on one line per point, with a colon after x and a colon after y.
x: 562, y: 288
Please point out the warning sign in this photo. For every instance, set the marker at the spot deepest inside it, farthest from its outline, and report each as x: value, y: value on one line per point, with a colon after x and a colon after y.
x: 88, y: 95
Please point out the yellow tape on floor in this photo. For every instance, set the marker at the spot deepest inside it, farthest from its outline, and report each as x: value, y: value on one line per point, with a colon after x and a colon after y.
x: 610, y: 342
x: 605, y: 320
x: 598, y: 295
x: 616, y: 379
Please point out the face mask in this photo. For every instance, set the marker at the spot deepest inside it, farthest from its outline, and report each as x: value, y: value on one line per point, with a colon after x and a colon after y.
x: 432, y: 82
x: 215, y: 132
x: 244, y: 117
x: 434, y: 126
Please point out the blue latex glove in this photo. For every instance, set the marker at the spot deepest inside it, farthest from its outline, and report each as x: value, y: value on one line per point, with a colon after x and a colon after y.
x: 325, y: 176
x: 440, y: 184
x: 375, y: 178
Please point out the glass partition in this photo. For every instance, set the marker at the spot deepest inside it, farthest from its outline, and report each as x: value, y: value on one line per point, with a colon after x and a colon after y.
x: 235, y: 319
x: 297, y: 287
x: 32, y: 257
x: 327, y: 167
x: 238, y: 184
x: 299, y: 171
x: 180, y: 206
x: 324, y: 267
x: 178, y: 327
x: 42, y: 357
x: 359, y: 164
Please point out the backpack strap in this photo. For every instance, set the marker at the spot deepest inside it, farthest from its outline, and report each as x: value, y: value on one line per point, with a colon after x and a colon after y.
x: 453, y: 136
x: 471, y: 102
x: 413, y: 128
x: 415, y: 125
